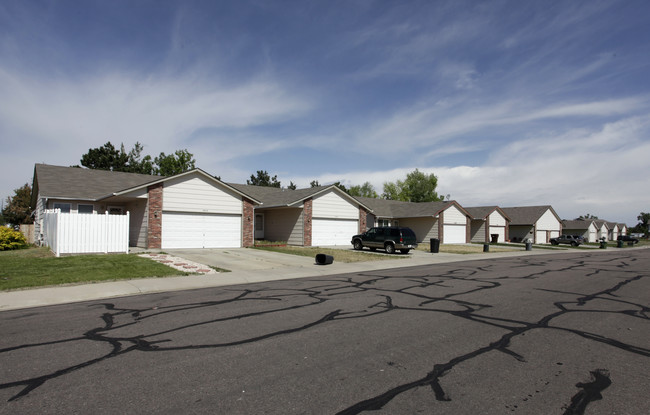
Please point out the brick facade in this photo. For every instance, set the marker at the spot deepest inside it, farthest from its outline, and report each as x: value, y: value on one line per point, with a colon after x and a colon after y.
x: 363, y: 217
x: 307, y: 214
x: 248, y: 228
x: 155, y: 205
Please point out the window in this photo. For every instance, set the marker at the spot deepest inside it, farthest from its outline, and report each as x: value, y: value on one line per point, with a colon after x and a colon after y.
x: 383, y: 222
x: 85, y: 208
x: 65, y: 207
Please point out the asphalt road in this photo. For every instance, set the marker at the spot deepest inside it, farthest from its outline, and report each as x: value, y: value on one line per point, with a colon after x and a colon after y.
x: 553, y: 334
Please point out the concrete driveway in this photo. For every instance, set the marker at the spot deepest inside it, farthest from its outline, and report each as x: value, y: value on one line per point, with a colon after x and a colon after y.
x: 241, y: 259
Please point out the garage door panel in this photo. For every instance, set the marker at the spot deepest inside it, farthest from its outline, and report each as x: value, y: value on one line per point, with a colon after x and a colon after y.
x: 333, y: 231
x: 195, y: 230
x: 499, y: 230
x: 455, y: 234
x: 540, y: 237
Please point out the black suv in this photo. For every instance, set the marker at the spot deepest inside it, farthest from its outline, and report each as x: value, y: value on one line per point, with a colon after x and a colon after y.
x: 388, y: 238
x: 628, y: 238
x: 566, y: 239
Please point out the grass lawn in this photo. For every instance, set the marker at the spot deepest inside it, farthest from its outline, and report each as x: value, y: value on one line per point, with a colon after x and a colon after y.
x: 36, y: 267
x: 340, y: 255
x: 469, y: 248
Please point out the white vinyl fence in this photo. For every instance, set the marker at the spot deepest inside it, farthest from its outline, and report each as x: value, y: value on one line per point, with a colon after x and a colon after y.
x: 78, y: 233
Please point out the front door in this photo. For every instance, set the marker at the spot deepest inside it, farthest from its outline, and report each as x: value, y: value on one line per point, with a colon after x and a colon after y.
x: 259, y: 226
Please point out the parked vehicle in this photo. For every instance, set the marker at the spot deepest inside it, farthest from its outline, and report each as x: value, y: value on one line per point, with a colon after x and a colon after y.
x: 627, y: 238
x: 566, y: 239
x: 580, y: 238
x: 388, y: 238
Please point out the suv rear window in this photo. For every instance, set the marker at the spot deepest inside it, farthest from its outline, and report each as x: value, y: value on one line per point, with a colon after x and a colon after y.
x: 394, y: 232
x: 408, y: 232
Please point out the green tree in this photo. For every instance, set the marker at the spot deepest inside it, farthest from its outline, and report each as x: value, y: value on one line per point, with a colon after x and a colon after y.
x: 136, y: 163
x: 587, y: 216
x: 17, y: 209
x: 262, y: 178
x: 292, y: 186
x: 417, y: 187
x: 340, y: 186
x: 106, y: 157
x: 314, y: 183
x: 644, y: 220
x: 177, y: 163
x: 364, y: 190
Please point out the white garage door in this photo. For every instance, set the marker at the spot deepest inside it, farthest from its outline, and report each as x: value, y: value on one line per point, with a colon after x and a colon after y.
x: 333, y: 231
x: 498, y: 230
x: 454, y: 234
x: 196, y: 230
x: 540, y: 237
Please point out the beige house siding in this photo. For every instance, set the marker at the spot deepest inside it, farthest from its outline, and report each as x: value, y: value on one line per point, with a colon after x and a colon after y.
x: 424, y: 228
x: 138, y: 220
x: 477, y: 231
x: 199, y: 195
x: 283, y: 225
x: 332, y: 206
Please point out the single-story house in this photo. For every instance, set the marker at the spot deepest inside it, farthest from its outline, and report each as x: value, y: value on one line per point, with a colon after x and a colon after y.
x: 188, y: 210
x: 447, y: 221
x: 613, y: 231
x: 536, y: 223
x: 602, y: 229
x: 487, y: 221
x: 622, y: 228
x: 317, y: 216
x: 581, y: 227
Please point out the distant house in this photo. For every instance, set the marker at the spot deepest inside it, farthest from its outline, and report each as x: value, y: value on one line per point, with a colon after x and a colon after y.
x: 535, y: 223
x: 487, y: 221
x: 582, y: 227
x: 612, y: 231
x: 447, y: 221
x: 622, y: 229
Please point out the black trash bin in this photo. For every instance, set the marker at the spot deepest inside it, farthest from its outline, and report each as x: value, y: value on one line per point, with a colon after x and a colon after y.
x: 619, y: 244
x: 322, y: 259
x: 435, y: 245
x: 529, y: 246
x: 486, y: 247
x: 495, y: 237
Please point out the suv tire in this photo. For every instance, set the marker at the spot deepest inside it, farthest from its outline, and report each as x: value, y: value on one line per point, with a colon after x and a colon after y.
x: 358, y: 245
x: 390, y: 248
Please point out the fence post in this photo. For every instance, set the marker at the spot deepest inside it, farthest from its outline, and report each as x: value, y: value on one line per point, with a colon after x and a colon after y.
x: 106, y: 232
x: 58, y: 232
x: 126, y: 226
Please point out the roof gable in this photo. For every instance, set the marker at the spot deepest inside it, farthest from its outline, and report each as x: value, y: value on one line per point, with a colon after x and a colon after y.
x: 527, y: 215
x: 398, y: 209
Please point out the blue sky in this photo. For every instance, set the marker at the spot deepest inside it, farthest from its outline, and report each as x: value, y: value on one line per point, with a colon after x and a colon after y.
x: 508, y: 102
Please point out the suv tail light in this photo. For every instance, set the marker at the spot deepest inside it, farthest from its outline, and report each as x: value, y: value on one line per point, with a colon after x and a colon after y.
x: 401, y: 239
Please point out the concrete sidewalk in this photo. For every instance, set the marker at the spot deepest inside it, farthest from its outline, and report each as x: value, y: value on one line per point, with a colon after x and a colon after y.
x: 265, y: 266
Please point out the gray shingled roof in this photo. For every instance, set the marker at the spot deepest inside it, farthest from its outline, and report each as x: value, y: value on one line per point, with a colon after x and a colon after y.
x: 274, y: 196
x: 525, y: 215
x: 84, y: 184
x: 397, y: 209
x: 482, y: 212
x: 576, y: 224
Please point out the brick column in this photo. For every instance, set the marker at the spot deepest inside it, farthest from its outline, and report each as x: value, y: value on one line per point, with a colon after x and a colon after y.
x: 441, y: 227
x: 155, y: 205
x: 248, y: 221
x: 306, y: 220
x: 363, y: 218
